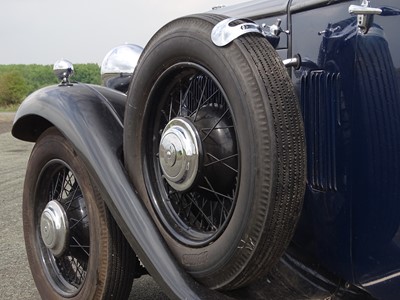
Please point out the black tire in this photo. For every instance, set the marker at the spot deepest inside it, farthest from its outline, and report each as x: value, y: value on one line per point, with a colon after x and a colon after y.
x: 233, y: 213
x: 370, y: 114
x: 102, y: 267
x: 377, y: 129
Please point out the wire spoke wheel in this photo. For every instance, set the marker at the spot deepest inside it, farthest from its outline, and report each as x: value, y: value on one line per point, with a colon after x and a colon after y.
x: 65, y: 250
x: 196, y: 184
x: 74, y: 247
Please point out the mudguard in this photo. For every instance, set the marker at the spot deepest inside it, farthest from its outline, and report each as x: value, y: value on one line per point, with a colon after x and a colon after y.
x: 91, y: 117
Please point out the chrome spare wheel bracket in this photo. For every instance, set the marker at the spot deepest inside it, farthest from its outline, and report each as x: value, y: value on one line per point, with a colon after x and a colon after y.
x: 224, y: 32
x: 365, y: 14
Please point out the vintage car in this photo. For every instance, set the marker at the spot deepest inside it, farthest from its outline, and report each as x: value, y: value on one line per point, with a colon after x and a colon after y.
x: 253, y: 153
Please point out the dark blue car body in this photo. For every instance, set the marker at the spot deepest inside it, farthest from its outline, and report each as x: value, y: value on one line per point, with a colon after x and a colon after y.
x: 348, y: 86
x: 347, y: 241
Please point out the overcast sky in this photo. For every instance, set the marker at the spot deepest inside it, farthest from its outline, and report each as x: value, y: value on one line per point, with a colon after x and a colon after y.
x: 83, y: 31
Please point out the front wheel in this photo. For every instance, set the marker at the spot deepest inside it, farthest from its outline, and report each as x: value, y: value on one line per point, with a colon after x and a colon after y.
x: 214, y: 144
x: 74, y: 247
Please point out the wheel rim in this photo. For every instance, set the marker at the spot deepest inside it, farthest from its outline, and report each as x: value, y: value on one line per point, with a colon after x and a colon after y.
x: 191, y: 155
x: 62, y: 228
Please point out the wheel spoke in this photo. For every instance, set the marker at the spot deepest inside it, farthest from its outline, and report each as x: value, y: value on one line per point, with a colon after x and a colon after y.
x: 80, y: 246
x: 73, y: 270
x: 215, y: 192
x: 222, y: 161
x: 182, y: 101
x: 73, y: 198
x: 68, y: 184
x: 76, y: 221
x: 215, y: 125
x: 200, y: 102
x: 56, y: 186
x: 78, y: 272
x: 169, y: 112
x: 204, y: 103
x: 201, y: 211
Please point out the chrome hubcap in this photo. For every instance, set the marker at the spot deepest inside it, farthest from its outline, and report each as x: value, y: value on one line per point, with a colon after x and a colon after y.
x: 179, y: 153
x: 54, y: 228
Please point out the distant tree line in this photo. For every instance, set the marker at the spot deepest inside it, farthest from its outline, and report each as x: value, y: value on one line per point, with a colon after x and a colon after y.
x: 18, y: 81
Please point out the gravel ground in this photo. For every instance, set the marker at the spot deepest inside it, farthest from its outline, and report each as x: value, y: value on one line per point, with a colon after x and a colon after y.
x: 6, y: 119
x: 15, y: 277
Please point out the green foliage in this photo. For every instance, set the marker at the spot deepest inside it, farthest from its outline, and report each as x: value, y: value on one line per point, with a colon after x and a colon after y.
x: 12, y: 88
x: 87, y: 73
x: 18, y: 81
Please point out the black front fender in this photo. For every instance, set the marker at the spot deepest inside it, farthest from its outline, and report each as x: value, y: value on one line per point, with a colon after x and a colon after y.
x: 68, y: 108
x: 91, y: 117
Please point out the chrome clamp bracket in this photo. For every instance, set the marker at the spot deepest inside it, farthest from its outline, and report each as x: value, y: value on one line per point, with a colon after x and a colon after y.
x: 224, y: 32
x: 365, y: 14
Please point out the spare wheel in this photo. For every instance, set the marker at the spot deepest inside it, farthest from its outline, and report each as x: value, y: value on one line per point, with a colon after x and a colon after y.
x: 214, y: 144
